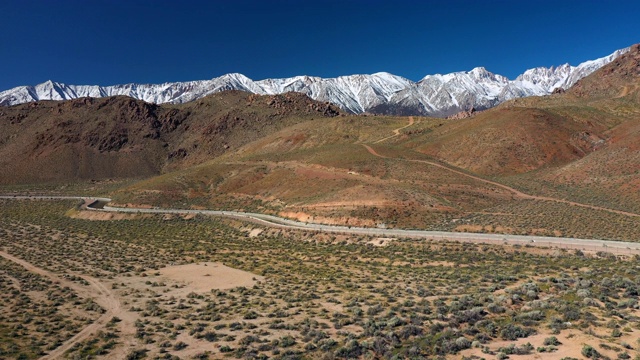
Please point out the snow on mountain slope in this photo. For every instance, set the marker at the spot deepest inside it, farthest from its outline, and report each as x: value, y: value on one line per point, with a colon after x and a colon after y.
x: 384, y: 93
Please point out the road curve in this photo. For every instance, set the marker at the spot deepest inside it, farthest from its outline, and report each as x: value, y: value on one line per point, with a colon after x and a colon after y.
x: 396, y: 132
x: 619, y: 247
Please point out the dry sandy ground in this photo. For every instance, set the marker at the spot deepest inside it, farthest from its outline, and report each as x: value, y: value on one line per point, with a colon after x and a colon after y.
x: 207, y: 276
x: 572, y: 342
x: 102, y: 216
x: 180, y: 281
x: 198, y: 278
x: 255, y: 232
x: 97, y: 290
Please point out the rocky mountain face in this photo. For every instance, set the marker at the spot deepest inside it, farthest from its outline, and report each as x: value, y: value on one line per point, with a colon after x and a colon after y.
x: 122, y: 137
x: 379, y: 93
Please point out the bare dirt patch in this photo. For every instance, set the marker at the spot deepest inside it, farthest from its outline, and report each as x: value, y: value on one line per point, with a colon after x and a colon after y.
x: 337, y: 220
x: 203, y: 277
x: 104, y: 216
x: 255, y: 232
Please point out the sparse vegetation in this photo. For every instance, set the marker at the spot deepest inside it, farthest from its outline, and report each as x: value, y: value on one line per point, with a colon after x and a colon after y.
x: 151, y: 286
x: 325, y: 294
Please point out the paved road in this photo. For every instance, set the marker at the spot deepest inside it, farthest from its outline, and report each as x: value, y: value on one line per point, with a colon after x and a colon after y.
x: 617, y: 247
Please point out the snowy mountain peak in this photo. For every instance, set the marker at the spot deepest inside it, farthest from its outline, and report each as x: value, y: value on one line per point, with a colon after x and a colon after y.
x: 381, y: 92
x: 480, y: 72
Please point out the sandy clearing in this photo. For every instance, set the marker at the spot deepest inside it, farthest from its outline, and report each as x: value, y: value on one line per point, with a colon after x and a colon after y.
x: 255, y: 232
x: 204, y: 277
x: 101, y: 216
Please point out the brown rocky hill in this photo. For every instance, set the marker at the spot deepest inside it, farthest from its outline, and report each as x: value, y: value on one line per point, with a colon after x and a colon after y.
x: 543, y: 165
x: 583, y: 144
x: 616, y: 80
x: 119, y: 137
x: 538, y: 132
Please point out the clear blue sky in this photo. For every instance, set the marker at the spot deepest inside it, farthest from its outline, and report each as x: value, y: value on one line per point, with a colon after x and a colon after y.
x: 113, y: 42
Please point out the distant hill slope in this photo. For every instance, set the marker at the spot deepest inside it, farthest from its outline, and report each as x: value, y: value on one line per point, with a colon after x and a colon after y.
x: 526, y: 134
x: 380, y: 93
x: 553, y: 165
x: 119, y: 136
x: 497, y: 171
x: 585, y: 142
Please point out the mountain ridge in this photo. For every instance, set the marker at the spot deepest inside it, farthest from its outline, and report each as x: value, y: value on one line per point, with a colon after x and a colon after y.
x: 379, y: 93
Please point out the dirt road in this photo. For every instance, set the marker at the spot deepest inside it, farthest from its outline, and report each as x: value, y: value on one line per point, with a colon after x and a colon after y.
x: 516, y: 193
x: 96, y: 290
x: 396, y: 132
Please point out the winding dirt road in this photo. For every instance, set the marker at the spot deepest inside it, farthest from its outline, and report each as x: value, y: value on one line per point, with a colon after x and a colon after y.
x: 396, y: 132
x: 97, y: 291
x: 516, y: 193
x: 626, y: 90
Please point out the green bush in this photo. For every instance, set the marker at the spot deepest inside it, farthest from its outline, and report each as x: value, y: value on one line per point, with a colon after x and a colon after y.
x: 551, y: 341
x: 589, y: 352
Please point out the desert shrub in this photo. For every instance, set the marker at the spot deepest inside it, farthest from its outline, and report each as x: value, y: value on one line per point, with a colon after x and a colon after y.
x: 250, y: 315
x: 512, y: 349
x: 530, y: 315
x: 496, y: 308
x: 179, y: 345
x: 552, y: 340
x: 210, y: 336
x: 408, y: 331
x: 589, y: 352
x: 287, y: 341
x: 249, y: 339
x: 514, y: 332
x: 136, y: 354
x: 351, y: 350
x: 462, y: 343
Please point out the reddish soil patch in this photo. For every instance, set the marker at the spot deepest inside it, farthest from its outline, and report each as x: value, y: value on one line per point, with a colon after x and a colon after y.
x: 104, y: 216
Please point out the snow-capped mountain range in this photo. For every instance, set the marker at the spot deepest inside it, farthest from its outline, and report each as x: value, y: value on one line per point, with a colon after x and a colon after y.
x: 380, y: 93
